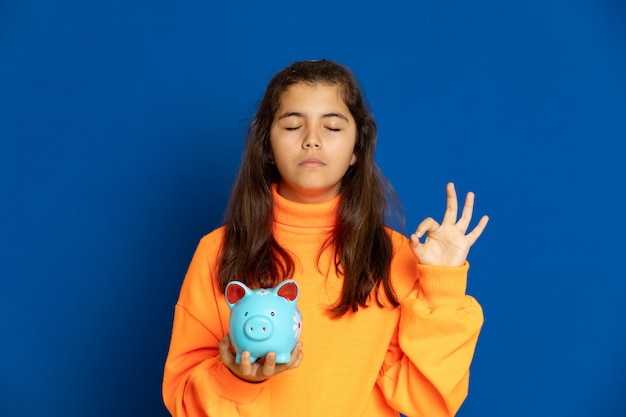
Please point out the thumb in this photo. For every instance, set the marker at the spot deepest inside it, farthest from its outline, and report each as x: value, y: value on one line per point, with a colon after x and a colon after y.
x: 225, y: 350
x: 416, y: 245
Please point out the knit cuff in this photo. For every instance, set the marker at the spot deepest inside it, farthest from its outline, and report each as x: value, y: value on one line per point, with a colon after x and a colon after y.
x: 443, y: 285
x: 233, y: 388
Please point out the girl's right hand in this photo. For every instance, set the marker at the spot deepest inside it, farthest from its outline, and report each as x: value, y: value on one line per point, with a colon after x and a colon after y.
x: 260, y: 370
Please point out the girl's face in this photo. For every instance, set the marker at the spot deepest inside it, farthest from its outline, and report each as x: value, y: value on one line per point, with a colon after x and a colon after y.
x: 313, y: 136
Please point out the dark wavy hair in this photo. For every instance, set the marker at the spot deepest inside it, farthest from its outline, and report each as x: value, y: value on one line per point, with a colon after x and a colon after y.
x: 361, y: 243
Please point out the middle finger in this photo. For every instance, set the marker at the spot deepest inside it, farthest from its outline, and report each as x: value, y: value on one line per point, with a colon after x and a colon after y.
x: 269, y: 365
x: 452, y: 205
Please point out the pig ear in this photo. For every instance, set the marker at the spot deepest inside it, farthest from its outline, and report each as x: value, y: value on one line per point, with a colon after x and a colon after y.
x: 288, y: 289
x: 235, y: 291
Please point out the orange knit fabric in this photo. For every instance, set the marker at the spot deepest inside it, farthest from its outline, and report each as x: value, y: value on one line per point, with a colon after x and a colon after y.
x: 378, y: 361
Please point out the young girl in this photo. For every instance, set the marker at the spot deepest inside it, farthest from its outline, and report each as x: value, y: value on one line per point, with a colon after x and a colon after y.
x: 388, y: 328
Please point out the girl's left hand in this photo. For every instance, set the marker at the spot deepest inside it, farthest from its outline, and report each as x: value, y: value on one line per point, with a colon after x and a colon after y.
x: 447, y: 244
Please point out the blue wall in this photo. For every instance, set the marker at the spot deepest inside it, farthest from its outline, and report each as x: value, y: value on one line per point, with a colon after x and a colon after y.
x: 121, y: 125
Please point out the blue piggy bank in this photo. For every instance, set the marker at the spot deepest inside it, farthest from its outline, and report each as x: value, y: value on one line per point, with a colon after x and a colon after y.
x: 264, y: 320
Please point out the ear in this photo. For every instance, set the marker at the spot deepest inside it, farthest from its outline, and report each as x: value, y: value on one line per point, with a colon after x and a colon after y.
x: 235, y: 291
x: 353, y: 160
x: 288, y: 289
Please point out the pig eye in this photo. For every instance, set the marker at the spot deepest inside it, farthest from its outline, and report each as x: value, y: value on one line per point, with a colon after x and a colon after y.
x: 272, y: 313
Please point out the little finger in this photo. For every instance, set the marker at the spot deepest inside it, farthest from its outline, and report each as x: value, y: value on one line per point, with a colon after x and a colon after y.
x: 478, y: 230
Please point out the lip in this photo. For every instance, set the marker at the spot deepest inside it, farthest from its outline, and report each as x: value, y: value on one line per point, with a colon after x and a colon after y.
x: 311, y: 163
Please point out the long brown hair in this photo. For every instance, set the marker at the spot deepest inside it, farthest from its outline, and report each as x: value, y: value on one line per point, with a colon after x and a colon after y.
x: 361, y: 244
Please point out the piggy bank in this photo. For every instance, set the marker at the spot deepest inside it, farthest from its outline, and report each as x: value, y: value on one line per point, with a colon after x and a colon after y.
x: 264, y: 320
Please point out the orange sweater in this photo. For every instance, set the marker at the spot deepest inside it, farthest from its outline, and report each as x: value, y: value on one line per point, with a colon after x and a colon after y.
x: 412, y: 359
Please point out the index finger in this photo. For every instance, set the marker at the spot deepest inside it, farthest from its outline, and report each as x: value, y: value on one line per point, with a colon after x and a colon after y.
x: 452, y: 205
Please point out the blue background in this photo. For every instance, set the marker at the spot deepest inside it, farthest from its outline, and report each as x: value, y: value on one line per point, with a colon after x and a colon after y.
x: 121, y: 126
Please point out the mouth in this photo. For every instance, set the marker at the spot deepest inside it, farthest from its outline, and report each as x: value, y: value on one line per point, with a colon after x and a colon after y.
x: 311, y: 163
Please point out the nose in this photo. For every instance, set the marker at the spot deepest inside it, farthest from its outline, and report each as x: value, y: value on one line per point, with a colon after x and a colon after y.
x: 259, y: 328
x: 311, y: 140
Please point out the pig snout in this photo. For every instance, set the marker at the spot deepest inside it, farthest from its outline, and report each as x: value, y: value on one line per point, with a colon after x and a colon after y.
x: 259, y: 328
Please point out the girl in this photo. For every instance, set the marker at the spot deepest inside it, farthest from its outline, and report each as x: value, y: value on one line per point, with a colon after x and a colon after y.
x: 388, y: 328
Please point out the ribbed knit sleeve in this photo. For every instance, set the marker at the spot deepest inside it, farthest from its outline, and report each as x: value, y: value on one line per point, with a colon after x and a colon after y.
x: 426, y: 370
x: 196, y: 383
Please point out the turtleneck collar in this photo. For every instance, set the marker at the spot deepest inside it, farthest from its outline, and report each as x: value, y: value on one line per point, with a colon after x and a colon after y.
x: 303, y: 215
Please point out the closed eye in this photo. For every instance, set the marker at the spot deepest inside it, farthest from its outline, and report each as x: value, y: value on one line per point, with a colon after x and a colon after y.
x: 333, y: 129
x: 292, y: 128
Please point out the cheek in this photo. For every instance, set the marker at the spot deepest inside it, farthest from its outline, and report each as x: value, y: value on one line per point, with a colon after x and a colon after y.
x: 280, y: 157
x: 352, y: 149
x: 274, y: 148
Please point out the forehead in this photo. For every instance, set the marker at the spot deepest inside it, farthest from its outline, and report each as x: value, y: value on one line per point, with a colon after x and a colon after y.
x: 312, y: 95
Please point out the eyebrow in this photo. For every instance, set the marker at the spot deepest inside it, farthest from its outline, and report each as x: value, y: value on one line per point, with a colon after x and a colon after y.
x: 324, y: 116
